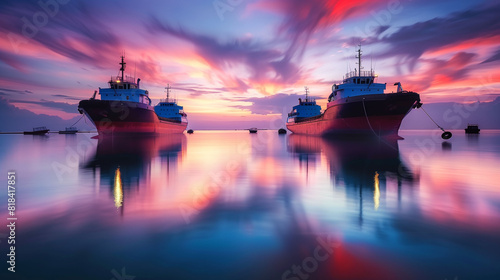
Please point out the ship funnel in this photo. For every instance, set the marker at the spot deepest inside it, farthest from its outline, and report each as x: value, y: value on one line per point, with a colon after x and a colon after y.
x: 138, y: 81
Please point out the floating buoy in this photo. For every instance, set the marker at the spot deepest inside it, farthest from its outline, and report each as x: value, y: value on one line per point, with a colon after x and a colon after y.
x: 190, y: 131
x: 446, y: 135
x: 281, y: 131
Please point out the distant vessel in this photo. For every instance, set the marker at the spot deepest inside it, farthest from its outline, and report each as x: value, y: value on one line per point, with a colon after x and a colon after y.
x: 253, y: 130
x: 42, y: 130
x: 358, y: 105
x: 472, y: 129
x: 69, y: 130
x: 125, y: 108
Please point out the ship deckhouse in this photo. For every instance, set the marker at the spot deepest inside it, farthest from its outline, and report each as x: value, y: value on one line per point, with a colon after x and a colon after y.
x: 357, y: 83
x: 124, y: 88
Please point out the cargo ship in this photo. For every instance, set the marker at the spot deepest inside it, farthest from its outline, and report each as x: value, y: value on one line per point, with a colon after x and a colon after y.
x: 357, y: 106
x: 125, y: 108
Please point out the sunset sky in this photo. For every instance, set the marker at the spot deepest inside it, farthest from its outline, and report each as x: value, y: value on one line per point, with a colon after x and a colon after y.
x: 237, y: 62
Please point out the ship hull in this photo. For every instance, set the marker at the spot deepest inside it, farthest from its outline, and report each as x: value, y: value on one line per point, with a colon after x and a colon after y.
x: 123, y: 117
x: 41, y: 132
x: 379, y: 114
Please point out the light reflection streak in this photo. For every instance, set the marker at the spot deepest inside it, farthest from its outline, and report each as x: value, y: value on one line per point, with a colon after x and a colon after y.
x: 118, y: 189
x: 376, y: 192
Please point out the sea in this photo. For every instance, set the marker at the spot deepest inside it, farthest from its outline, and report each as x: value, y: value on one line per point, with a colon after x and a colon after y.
x: 234, y: 205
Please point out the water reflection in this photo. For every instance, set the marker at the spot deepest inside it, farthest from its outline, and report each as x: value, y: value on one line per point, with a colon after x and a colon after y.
x: 360, y: 170
x: 376, y: 193
x: 472, y: 139
x: 258, y: 206
x: 118, y: 189
x: 446, y: 146
x: 125, y: 163
x: 355, y: 162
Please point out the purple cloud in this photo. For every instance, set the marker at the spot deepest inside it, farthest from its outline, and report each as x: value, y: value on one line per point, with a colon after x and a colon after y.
x: 274, y: 104
x: 67, y: 97
x: 494, y: 57
x: 62, y: 106
x: 264, y: 63
x: 16, y: 91
x: 411, y: 41
x: 57, y: 29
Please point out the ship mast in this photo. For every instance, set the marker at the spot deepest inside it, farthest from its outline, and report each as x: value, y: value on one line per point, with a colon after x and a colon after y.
x: 307, y: 92
x: 122, y: 69
x: 168, y: 91
x: 359, y: 60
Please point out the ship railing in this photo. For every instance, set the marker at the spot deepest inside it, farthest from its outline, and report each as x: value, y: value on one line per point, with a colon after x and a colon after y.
x: 308, y: 101
x: 351, y: 74
x: 126, y: 79
x: 168, y: 100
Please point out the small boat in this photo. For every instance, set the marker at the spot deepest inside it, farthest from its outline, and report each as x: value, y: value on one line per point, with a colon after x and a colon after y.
x: 472, y: 129
x: 281, y: 131
x: 42, y: 130
x: 190, y: 131
x: 69, y: 130
x: 253, y: 130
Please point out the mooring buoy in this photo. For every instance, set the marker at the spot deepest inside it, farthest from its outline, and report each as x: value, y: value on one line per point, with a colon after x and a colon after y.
x: 446, y: 134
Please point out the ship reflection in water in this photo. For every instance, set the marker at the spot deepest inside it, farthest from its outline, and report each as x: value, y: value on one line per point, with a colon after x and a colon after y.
x: 360, y: 169
x: 234, y: 205
x: 124, y: 162
x: 355, y: 161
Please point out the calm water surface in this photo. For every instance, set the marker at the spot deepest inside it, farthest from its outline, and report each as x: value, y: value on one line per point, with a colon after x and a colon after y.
x: 234, y: 205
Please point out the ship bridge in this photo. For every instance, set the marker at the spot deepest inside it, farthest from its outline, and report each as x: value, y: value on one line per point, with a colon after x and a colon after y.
x: 124, y: 88
x: 357, y: 82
